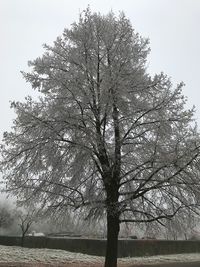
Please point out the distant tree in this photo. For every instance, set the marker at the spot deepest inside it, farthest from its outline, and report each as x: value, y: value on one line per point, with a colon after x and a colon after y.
x: 6, y: 216
x: 182, y: 226
x: 104, y: 137
x: 26, y: 218
x: 54, y: 222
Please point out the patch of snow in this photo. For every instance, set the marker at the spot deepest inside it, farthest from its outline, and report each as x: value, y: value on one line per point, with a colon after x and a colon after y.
x: 34, y: 233
x: 190, y: 257
x: 19, y: 254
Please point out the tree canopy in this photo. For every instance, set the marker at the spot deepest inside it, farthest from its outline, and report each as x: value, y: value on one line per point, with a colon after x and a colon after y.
x: 104, y: 136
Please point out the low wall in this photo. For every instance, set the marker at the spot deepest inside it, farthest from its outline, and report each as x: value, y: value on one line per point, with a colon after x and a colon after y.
x: 127, y: 248
x: 131, y: 248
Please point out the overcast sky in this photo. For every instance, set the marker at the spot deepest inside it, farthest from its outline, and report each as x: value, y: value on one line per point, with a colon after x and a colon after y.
x: 171, y: 25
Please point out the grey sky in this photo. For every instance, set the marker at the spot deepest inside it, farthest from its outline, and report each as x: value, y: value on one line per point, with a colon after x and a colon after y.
x: 171, y: 25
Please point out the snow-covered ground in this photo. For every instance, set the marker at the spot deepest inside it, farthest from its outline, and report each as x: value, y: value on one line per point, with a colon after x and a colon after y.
x: 18, y: 254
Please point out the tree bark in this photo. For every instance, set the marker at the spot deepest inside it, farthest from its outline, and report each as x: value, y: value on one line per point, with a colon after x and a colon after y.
x: 113, y: 227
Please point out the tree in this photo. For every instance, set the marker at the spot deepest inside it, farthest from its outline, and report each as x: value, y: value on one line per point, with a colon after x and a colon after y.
x: 26, y: 219
x: 6, y: 216
x: 182, y: 226
x: 103, y: 137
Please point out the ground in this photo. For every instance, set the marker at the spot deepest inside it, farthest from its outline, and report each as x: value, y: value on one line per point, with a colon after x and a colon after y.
x: 12, y: 256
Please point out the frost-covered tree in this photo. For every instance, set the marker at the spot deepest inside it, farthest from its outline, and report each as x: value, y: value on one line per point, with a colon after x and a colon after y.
x: 182, y: 226
x: 104, y: 138
x: 25, y: 222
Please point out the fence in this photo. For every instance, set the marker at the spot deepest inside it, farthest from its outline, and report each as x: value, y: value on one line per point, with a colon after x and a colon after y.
x: 127, y: 248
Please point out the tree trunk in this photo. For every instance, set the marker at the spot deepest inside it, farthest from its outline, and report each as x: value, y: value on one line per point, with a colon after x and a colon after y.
x: 22, y: 240
x: 113, y: 227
